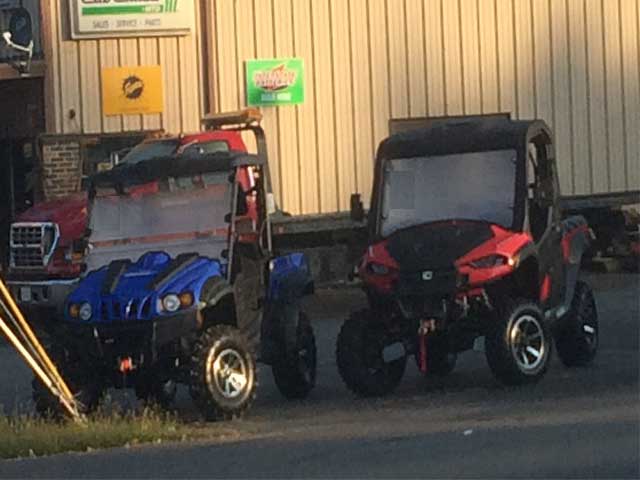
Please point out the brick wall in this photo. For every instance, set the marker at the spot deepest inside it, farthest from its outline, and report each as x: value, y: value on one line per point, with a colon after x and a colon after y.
x: 61, y: 168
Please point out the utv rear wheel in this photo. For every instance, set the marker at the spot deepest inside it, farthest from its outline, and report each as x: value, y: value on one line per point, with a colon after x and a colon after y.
x: 518, y: 343
x: 359, y: 355
x: 223, y: 373
x: 81, y: 380
x: 577, y: 341
x: 295, y: 372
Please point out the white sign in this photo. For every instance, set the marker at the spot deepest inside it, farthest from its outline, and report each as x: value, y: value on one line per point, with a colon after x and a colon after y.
x: 133, y: 18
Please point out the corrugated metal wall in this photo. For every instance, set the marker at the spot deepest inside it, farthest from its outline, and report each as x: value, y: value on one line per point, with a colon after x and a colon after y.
x: 74, y: 67
x: 573, y: 63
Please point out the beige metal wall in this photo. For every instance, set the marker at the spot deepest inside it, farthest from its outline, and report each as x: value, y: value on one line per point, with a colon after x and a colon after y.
x: 73, y: 78
x: 573, y: 63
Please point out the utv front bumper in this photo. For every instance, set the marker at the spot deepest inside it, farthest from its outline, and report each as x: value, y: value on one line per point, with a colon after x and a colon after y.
x: 146, y: 338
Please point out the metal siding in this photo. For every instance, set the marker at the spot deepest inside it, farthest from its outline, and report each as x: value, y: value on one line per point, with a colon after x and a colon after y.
x: 573, y: 63
x: 398, y: 64
x: 488, y: 57
x: 307, y: 138
x: 416, y: 58
x: 378, y: 59
x: 434, y: 40
x: 362, y: 98
x: 579, y: 110
x: 596, y: 92
x: 452, y: 48
x: 472, y: 80
x: 342, y: 65
x: 562, y: 98
x: 265, y: 48
x: 328, y: 185
x: 90, y: 87
x: 149, y: 56
x: 506, y: 57
x: 615, y: 92
x: 74, y: 69
x: 630, y: 13
x: 287, y: 117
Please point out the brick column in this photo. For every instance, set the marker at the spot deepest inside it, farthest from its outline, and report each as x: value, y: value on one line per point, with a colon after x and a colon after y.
x: 61, y: 168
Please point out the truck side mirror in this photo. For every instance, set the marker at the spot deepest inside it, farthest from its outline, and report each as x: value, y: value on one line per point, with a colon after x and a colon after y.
x: 357, y: 208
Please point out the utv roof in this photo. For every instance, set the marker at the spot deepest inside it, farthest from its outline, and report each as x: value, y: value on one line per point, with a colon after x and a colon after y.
x: 159, y: 168
x: 463, y: 135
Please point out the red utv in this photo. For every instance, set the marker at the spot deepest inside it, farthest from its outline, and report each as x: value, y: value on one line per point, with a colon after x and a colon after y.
x: 467, y: 242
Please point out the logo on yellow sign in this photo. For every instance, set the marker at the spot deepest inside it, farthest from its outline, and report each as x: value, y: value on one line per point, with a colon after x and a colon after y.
x: 132, y: 90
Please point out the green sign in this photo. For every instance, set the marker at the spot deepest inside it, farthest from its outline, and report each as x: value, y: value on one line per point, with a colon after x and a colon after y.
x: 124, y: 18
x: 279, y: 81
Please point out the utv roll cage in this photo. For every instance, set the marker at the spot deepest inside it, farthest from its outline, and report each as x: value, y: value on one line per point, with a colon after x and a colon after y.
x: 458, y: 135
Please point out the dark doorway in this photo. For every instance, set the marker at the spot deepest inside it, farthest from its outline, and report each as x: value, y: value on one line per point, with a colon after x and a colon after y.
x: 21, y: 121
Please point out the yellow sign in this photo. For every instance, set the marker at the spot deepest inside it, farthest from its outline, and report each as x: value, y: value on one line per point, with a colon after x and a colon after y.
x: 132, y: 90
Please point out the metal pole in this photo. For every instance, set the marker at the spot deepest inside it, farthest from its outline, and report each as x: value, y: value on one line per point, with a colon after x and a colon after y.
x: 6, y: 296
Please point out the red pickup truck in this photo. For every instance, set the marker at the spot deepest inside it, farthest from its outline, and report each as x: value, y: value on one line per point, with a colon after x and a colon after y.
x: 43, y: 268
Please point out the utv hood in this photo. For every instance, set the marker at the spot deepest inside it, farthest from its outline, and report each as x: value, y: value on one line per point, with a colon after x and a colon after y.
x: 436, y: 246
x: 130, y: 291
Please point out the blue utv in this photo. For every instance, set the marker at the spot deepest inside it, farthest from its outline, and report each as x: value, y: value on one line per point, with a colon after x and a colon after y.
x: 184, y: 287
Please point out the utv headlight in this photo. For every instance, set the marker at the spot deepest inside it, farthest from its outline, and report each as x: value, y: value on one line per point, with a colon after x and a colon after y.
x: 171, y: 303
x: 490, y: 261
x: 85, y: 312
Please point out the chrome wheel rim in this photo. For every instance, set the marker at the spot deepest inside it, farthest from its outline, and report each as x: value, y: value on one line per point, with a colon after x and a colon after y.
x: 228, y: 373
x: 528, y: 344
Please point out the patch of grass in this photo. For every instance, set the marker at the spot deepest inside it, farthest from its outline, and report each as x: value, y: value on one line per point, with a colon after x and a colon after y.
x: 24, y: 436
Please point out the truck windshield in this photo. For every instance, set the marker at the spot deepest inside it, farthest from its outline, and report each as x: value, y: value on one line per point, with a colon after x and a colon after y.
x: 181, y: 215
x: 147, y: 150
x: 472, y: 186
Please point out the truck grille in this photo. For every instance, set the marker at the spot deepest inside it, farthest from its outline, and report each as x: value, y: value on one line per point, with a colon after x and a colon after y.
x: 32, y: 244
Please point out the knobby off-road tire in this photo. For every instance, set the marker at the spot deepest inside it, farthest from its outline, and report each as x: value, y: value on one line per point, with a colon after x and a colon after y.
x: 223, y: 373
x: 86, y: 387
x: 295, y: 372
x: 518, y: 343
x: 577, y: 341
x: 359, y: 357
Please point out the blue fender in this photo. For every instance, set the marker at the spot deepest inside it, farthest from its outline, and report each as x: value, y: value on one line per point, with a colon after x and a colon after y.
x: 289, y: 280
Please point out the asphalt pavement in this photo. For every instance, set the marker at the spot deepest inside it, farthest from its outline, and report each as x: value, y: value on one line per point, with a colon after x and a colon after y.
x: 575, y: 423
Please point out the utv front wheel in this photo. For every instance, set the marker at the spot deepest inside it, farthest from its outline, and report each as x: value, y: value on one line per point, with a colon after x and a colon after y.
x: 518, y: 343
x: 295, y: 372
x: 360, y: 359
x: 223, y: 373
x: 577, y: 341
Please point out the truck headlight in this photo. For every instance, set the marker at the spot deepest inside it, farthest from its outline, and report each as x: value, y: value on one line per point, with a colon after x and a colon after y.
x: 171, y: 303
x: 85, y: 311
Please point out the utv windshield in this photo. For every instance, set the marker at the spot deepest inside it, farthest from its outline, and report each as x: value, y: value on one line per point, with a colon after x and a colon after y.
x: 472, y: 186
x: 178, y: 215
